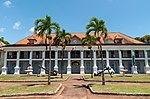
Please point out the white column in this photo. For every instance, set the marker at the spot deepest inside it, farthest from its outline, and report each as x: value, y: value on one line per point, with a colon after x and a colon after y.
x: 4, y: 68
x: 17, y: 68
x: 43, y: 63
x: 147, y: 67
x: 56, y: 61
x: 121, y: 67
x: 107, y: 58
x: 95, y: 66
x: 82, y: 66
x: 134, y: 68
x: 69, y: 62
x: 30, y: 62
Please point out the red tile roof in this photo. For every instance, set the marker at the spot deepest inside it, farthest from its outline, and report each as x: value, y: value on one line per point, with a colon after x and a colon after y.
x: 109, y: 40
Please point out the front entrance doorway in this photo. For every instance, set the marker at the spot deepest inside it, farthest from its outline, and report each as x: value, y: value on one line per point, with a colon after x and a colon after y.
x: 75, y: 67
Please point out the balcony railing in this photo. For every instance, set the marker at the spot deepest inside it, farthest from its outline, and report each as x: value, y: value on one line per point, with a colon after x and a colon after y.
x: 113, y: 56
x: 139, y: 55
x: 126, y: 55
x: 24, y: 57
x: 12, y: 57
x: 37, y: 57
x: 75, y: 55
x: 99, y: 56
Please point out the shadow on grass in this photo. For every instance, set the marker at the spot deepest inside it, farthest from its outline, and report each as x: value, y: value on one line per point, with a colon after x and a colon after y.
x: 124, y: 76
x: 79, y: 79
x: 81, y: 86
x: 29, y: 85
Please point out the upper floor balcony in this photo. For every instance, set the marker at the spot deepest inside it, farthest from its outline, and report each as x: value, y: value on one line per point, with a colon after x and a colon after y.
x: 37, y: 55
x: 24, y: 54
x: 113, y: 54
x: 88, y: 54
x: 12, y: 55
x: 98, y: 54
x: 47, y: 54
x: 139, y: 54
x: 75, y: 54
x: 126, y: 54
x: 64, y: 56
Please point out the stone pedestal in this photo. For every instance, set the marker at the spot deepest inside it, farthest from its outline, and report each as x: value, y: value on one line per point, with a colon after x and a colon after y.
x: 82, y: 70
x: 94, y: 69
x: 4, y: 70
x: 134, y: 69
x: 30, y: 69
x: 17, y: 70
x: 121, y: 68
x: 147, y: 69
x: 68, y: 69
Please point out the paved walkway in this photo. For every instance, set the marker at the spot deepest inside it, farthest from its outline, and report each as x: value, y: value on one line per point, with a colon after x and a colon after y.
x: 75, y: 88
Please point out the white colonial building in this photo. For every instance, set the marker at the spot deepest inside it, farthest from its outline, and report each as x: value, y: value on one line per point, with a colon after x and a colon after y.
x: 119, y: 52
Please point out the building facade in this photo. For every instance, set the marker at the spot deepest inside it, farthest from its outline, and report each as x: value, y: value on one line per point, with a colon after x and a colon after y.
x: 1, y: 56
x: 119, y: 52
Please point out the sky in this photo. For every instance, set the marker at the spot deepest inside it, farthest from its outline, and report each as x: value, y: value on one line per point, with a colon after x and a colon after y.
x: 130, y: 17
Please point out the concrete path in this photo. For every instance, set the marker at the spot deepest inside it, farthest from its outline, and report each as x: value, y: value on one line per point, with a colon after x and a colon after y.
x: 75, y: 88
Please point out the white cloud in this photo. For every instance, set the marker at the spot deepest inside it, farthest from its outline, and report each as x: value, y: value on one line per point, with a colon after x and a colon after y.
x: 2, y: 30
x: 31, y: 29
x: 7, y: 4
x: 17, y: 25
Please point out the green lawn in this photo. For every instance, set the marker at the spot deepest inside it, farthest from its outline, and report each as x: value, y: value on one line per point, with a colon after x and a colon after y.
x: 30, y: 77
x: 122, y: 88
x: 27, y: 88
x: 128, y: 77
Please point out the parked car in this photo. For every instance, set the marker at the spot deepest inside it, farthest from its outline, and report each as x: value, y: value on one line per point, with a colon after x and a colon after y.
x: 111, y: 71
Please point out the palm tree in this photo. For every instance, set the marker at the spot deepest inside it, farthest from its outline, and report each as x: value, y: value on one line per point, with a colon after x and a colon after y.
x: 100, y: 31
x: 89, y: 41
x: 62, y: 39
x: 45, y: 27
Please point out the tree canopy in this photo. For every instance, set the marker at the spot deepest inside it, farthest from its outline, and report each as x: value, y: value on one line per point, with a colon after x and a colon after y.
x: 145, y: 38
x: 4, y: 41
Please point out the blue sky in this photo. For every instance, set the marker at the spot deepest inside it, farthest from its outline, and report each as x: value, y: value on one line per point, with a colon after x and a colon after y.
x: 130, y: 17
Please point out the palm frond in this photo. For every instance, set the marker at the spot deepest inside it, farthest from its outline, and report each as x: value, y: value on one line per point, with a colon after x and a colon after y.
x: 90, y: 30
x: 94, y: 20
x: 62, y: 38
x: 98, y: 27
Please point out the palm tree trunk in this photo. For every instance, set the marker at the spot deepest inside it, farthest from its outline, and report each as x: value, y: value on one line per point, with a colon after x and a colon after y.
x: 49, y: 66
x: 91, y: 64
x: 100, y: 52
x: 102, y: 61
x: 62, y: 62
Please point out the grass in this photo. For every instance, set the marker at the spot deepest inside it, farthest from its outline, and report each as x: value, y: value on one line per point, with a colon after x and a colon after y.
x: 122, y: 88
x: 30, y: 77
x: 128, y: 77
x: 27, y: 88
